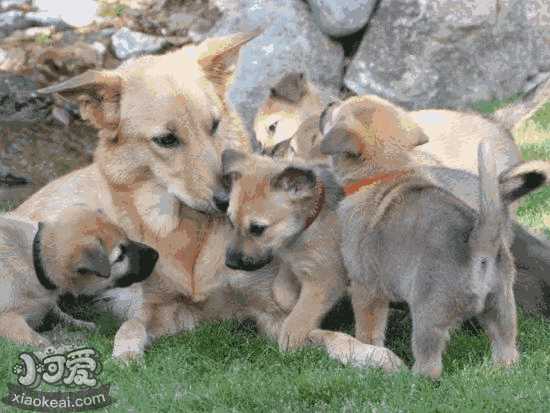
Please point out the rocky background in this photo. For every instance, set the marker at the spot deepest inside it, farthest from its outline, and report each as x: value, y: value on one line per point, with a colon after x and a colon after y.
x: 418, y: 53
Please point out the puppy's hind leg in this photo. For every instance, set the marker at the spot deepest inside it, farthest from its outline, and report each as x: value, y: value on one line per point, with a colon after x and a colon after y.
x: 428, y: 343
x: 14, y: 328
x: 499, y: 321
x: 371, y: 314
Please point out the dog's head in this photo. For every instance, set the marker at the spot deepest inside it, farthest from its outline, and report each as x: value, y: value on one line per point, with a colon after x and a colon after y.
x: 165, y: 118
x: 269, y: 205
x: 84, y: 253
x: 363, y: 133
x: 291, y: 101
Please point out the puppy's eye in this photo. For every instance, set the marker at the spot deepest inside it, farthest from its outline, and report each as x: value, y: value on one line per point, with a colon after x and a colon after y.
x: 352, y: 156
x: 214, y: 127
x: 226, y: 181
x: 273, y: 127
x: 169, y: 140
x: 85, y: 271
x: 122, y: 253
x: 257, y: 230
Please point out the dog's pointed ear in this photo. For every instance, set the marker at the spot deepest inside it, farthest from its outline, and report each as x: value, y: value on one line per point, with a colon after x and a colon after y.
x: 523, y: 179
x: 282, y: 149
x: 94, y: 261
x: 218, y: 57
x: 291, y: 87
x: 340, y: 140
x: 98, y: 93
x: 298, y: 182
x: 415, y: 134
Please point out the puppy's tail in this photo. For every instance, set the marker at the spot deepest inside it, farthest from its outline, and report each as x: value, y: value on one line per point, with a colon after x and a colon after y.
x: 492, y: 213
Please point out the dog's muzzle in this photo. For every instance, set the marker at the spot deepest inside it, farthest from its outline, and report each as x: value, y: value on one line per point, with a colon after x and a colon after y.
x: 142, y: 259
x: 238, y: 261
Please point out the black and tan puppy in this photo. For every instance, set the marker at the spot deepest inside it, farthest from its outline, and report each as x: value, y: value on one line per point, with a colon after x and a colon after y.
x: 406, y: 239
x: 82, y: 253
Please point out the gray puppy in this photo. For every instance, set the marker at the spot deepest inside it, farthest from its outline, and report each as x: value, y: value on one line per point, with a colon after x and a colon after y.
x: 406, y: 239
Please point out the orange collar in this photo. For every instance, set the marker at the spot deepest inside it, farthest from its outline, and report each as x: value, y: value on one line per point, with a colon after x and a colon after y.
x: 355, y: 186
x: 318, y: 206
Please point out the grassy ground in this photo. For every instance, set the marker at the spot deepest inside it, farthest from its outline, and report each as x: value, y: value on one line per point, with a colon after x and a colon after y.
x: 227, y: 367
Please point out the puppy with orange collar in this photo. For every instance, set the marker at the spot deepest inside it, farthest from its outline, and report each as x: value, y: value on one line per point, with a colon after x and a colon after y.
x: 404, y: 238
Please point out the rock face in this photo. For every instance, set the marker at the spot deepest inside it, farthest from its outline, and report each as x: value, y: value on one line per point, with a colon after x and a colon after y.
x: 19, y: 101
x: 127, y: 43
x: 342, y: 17
x: 444, y: 53
x: 290, y: 42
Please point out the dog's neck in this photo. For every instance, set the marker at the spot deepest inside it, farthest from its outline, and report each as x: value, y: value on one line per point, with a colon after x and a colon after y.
x: 39, y: 264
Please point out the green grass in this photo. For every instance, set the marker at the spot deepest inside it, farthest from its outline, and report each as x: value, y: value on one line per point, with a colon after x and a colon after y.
x: 228, y: 367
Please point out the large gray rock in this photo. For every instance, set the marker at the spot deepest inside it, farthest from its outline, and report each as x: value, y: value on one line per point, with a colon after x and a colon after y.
x: 445, y: 53
x: 340, y: 18
x: 19, y: 100
x: 127, y: 43
x: 290, y: 42
x: 12, y: 20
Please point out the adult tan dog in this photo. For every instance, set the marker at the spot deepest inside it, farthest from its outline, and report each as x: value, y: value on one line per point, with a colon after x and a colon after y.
x: 163, y: 122
x: 82, y: 253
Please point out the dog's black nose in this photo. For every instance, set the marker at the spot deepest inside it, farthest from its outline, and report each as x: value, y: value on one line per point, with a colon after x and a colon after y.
x: 233, y: 259
x: 221, y: 200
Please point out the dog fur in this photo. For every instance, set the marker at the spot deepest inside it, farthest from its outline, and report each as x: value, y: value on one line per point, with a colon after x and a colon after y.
x: 163, y: 123
x: 406, y: 239
x: 81, y: 254
x: 294, y: 207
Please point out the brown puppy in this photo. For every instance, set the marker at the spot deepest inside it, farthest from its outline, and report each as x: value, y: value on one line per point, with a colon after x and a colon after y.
x: 82, y: 253
x: 287, y: 211
x: 406, y: 239
x: 451, y: 137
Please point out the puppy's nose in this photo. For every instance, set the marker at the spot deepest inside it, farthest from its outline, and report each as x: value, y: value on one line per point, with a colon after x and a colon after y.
x: 221, y: 200
x: 233, y: 259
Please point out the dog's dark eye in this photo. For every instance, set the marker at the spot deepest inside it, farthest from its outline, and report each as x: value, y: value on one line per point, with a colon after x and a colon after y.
x: 257, y: 230
x: 352, y: 156
x: 273, y: 127
x: 215, y: 125
x: 167, y: 141
x: 226, y: 181
x: 85, y: 271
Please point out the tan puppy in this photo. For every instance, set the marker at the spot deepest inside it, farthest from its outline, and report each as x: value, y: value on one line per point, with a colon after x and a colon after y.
x: 451, y: 137
x: 81, y: 254
x: 287, y: 211
x: 163, y: 123
x: 406, y: 239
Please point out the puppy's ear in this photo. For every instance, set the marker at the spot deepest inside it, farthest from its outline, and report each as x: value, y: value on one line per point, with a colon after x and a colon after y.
x: 218, y: 57
x: 231, y: 160
x: 341, y: 140
x: 298, y: 182
x: 291, y: 87
x: 94, y: 260
x: 98, y: 93
x: 523, y: 179
x: 281, y: 150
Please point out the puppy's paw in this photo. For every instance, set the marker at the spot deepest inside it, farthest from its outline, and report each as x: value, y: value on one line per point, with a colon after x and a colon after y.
x: 40, y: 342
x: 429, y: 370
x: 506, y: 358
x: 293, y: 335
x: 128, y: 357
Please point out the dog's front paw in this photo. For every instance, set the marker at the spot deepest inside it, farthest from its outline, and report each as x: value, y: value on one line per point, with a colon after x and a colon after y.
x: 293, y: 335
x: 41, y: 342
x: 128, y: 357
